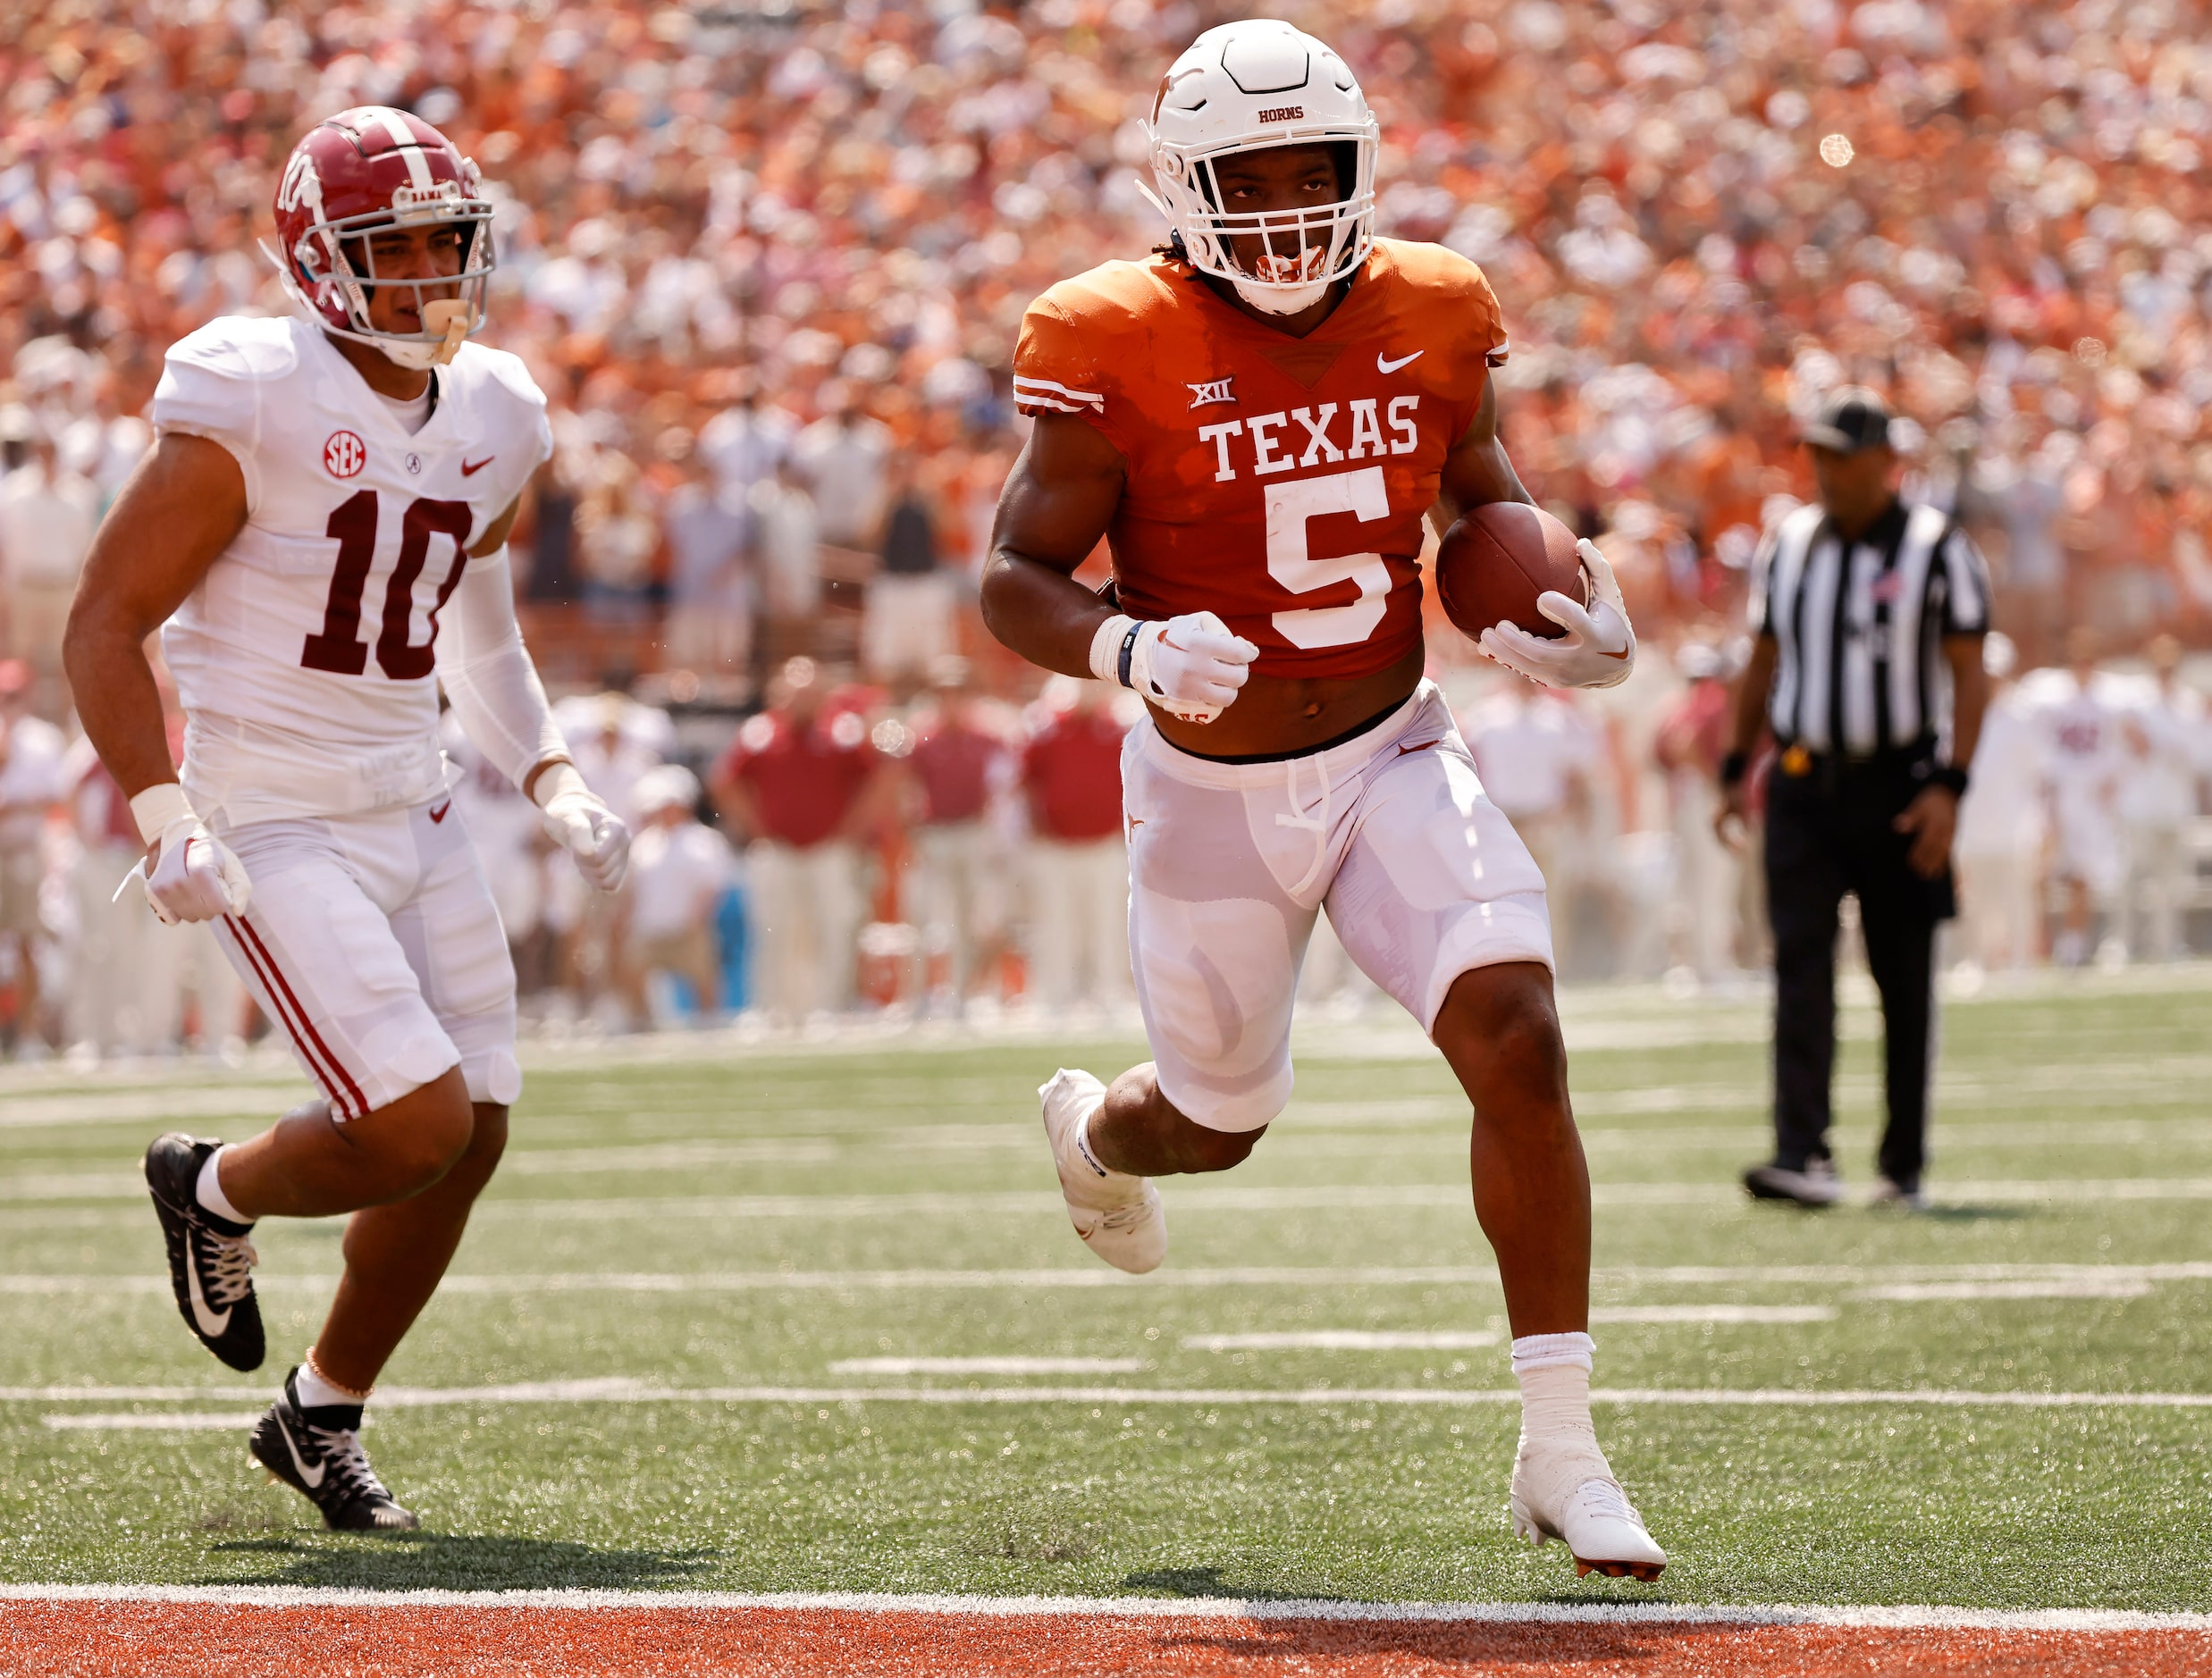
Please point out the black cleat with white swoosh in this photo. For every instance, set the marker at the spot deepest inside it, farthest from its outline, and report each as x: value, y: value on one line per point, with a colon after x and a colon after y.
x: 210, y: 1259
x: 317, y: 1453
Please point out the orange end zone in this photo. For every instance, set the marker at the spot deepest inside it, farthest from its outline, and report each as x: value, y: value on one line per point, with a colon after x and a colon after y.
x: 192, y: 1640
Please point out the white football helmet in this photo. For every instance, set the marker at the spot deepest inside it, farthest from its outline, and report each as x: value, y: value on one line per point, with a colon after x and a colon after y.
x: 1245, y: 86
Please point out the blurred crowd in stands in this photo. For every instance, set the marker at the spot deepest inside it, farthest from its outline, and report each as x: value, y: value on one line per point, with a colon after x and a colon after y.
x: 769, y: 261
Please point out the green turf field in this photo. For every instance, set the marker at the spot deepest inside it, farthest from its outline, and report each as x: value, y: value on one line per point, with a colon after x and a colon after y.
x: 810, y: 1218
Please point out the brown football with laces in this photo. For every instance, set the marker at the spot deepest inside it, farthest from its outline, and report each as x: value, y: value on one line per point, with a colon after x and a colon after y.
x: 1495, y: 560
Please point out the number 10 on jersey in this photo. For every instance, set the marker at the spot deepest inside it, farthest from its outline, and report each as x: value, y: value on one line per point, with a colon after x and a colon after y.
x: 338, y: 647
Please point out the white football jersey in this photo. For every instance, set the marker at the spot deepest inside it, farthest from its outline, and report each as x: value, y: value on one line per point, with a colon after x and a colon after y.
x: 305, y: 658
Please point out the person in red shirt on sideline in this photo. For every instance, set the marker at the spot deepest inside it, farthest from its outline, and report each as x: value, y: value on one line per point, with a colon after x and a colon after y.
x: 1692, y: 739
x: 1078, y: 868
x: 800, y: 784
x: 959, y: 901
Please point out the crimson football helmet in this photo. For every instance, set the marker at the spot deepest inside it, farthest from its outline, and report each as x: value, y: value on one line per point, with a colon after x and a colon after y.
x: 365, y: 172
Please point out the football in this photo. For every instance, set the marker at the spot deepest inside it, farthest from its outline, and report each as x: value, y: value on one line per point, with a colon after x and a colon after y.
x: 1496, y: 560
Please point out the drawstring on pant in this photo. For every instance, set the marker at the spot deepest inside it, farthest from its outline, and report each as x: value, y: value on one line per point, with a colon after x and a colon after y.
x: 1317, y: 825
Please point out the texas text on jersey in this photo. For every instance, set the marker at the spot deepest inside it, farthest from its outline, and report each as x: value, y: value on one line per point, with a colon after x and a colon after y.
x: 323, y: 614
x: 1279, y: 481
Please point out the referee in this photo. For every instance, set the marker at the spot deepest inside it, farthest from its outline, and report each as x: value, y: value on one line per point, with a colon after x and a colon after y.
x: 1869, y: 615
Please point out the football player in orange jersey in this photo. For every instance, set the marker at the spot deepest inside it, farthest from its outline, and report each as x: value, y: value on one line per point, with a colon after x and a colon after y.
x: 1258, y: 419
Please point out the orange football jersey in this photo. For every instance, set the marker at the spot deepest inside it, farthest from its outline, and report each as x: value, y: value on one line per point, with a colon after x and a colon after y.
x: 1280, y: 482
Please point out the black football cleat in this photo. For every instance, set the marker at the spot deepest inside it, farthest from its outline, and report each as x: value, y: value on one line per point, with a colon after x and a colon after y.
x: 210, y: 1259
x: 317, y: 1453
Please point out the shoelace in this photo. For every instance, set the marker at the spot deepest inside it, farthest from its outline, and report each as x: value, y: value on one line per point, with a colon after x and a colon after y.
x: 230, y: 1259
x: 1604, y: 1497
x: 1126, y: 1217
x: 347, y: 1463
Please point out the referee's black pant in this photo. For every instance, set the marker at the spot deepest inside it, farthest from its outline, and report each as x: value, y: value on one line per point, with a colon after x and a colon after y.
x: 1828, y: 832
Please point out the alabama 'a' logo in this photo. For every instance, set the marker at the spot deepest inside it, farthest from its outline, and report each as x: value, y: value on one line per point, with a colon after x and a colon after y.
x: 344, y: 455
x: 1213, y: 390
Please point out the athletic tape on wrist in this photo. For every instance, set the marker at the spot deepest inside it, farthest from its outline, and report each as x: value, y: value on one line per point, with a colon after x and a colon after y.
x: 156, y: 807
x: 557, y: 777
x: 1110, y: 646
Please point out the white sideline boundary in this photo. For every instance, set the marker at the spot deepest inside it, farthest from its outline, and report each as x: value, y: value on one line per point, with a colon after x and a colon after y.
x: 1906, y: 1618
x: 623, y: 1390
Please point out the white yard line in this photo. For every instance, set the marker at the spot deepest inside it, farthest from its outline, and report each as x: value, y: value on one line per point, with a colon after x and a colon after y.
x: 620, y: 1389
x: 1909, y: 1618
x: 2054, y: 1281
x: 1347, y: 1340
x: 1713, y: 1313
x: 988, y: 1366
x: 146, y: 1421
x: 2079, y: 1288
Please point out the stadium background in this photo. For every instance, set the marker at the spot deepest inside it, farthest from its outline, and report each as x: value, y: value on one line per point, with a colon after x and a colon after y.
x: 732, y: 233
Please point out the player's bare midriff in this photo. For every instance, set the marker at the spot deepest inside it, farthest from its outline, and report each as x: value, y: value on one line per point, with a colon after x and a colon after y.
x: 1285, y: 714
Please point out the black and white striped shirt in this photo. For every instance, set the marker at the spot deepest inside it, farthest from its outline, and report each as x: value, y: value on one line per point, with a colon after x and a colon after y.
x: 1859, y: 627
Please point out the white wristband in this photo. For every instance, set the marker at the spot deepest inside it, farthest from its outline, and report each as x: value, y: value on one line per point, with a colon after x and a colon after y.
x: 558, y: 777
x: 156, y: 807
x: 1106, y: 648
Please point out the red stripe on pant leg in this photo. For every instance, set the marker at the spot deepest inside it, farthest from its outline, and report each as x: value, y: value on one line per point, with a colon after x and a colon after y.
x: 360, y: 1102
x: 276, y: 1005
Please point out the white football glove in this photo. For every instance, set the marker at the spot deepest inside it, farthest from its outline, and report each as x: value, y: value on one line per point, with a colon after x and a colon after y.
x: 194, y: 876
x: 1598, y: 649
x: 577, y: 819
x: 1190, y: 667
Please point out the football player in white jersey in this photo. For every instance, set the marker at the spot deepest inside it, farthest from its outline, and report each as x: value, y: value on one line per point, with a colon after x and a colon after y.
x: 326, y: 494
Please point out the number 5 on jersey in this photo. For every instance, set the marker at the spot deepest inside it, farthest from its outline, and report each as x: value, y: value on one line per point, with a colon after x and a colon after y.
x: 1289, y: 506
x: 338, y: 647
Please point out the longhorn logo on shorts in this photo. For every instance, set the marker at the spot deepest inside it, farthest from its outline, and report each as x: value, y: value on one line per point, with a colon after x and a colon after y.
x: 344, y: 455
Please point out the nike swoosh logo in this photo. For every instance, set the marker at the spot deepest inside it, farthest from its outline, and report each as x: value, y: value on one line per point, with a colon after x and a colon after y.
x: 1381, y: 366
x: 212, y: 1324
x: 1425, y: 746
x: 1623, y: 655
x: 438, y: 814
x: 313, y: 1480
x: 469, y: 471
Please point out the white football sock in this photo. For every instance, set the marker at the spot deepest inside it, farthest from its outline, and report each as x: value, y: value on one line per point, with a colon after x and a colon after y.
x: 316, y: 1390
x: 209, y: 1192
x: 1553, y: 1371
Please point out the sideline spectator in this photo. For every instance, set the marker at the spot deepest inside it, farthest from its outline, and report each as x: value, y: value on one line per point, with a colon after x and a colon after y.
x: 2084, y: 765
x: 31, y: 787
x: 787, y: 545
x: 1538, y: 757
x: 679, y: 868
x: 842, y: 458
x: 48, y: 513
x: 614, y: 741
x: 2157, y: 804
x: 2003, y: 827
x: 1693, y: 737
x: 1078, y: 892
x: 800, y: 783
x: 907, y: 622
x: 710, y: 625
x: 959, y: 896
x: 745, y: 442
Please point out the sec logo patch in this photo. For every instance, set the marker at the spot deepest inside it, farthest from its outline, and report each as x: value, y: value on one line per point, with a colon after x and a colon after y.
x: 344, y: 455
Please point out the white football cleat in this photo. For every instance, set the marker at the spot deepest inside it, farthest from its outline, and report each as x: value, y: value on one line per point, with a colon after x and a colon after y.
x: 1119, y: 1216
x: 1569, y: 1493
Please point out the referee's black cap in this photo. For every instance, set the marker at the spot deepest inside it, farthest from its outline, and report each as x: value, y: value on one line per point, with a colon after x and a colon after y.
x: 1851, y: 419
